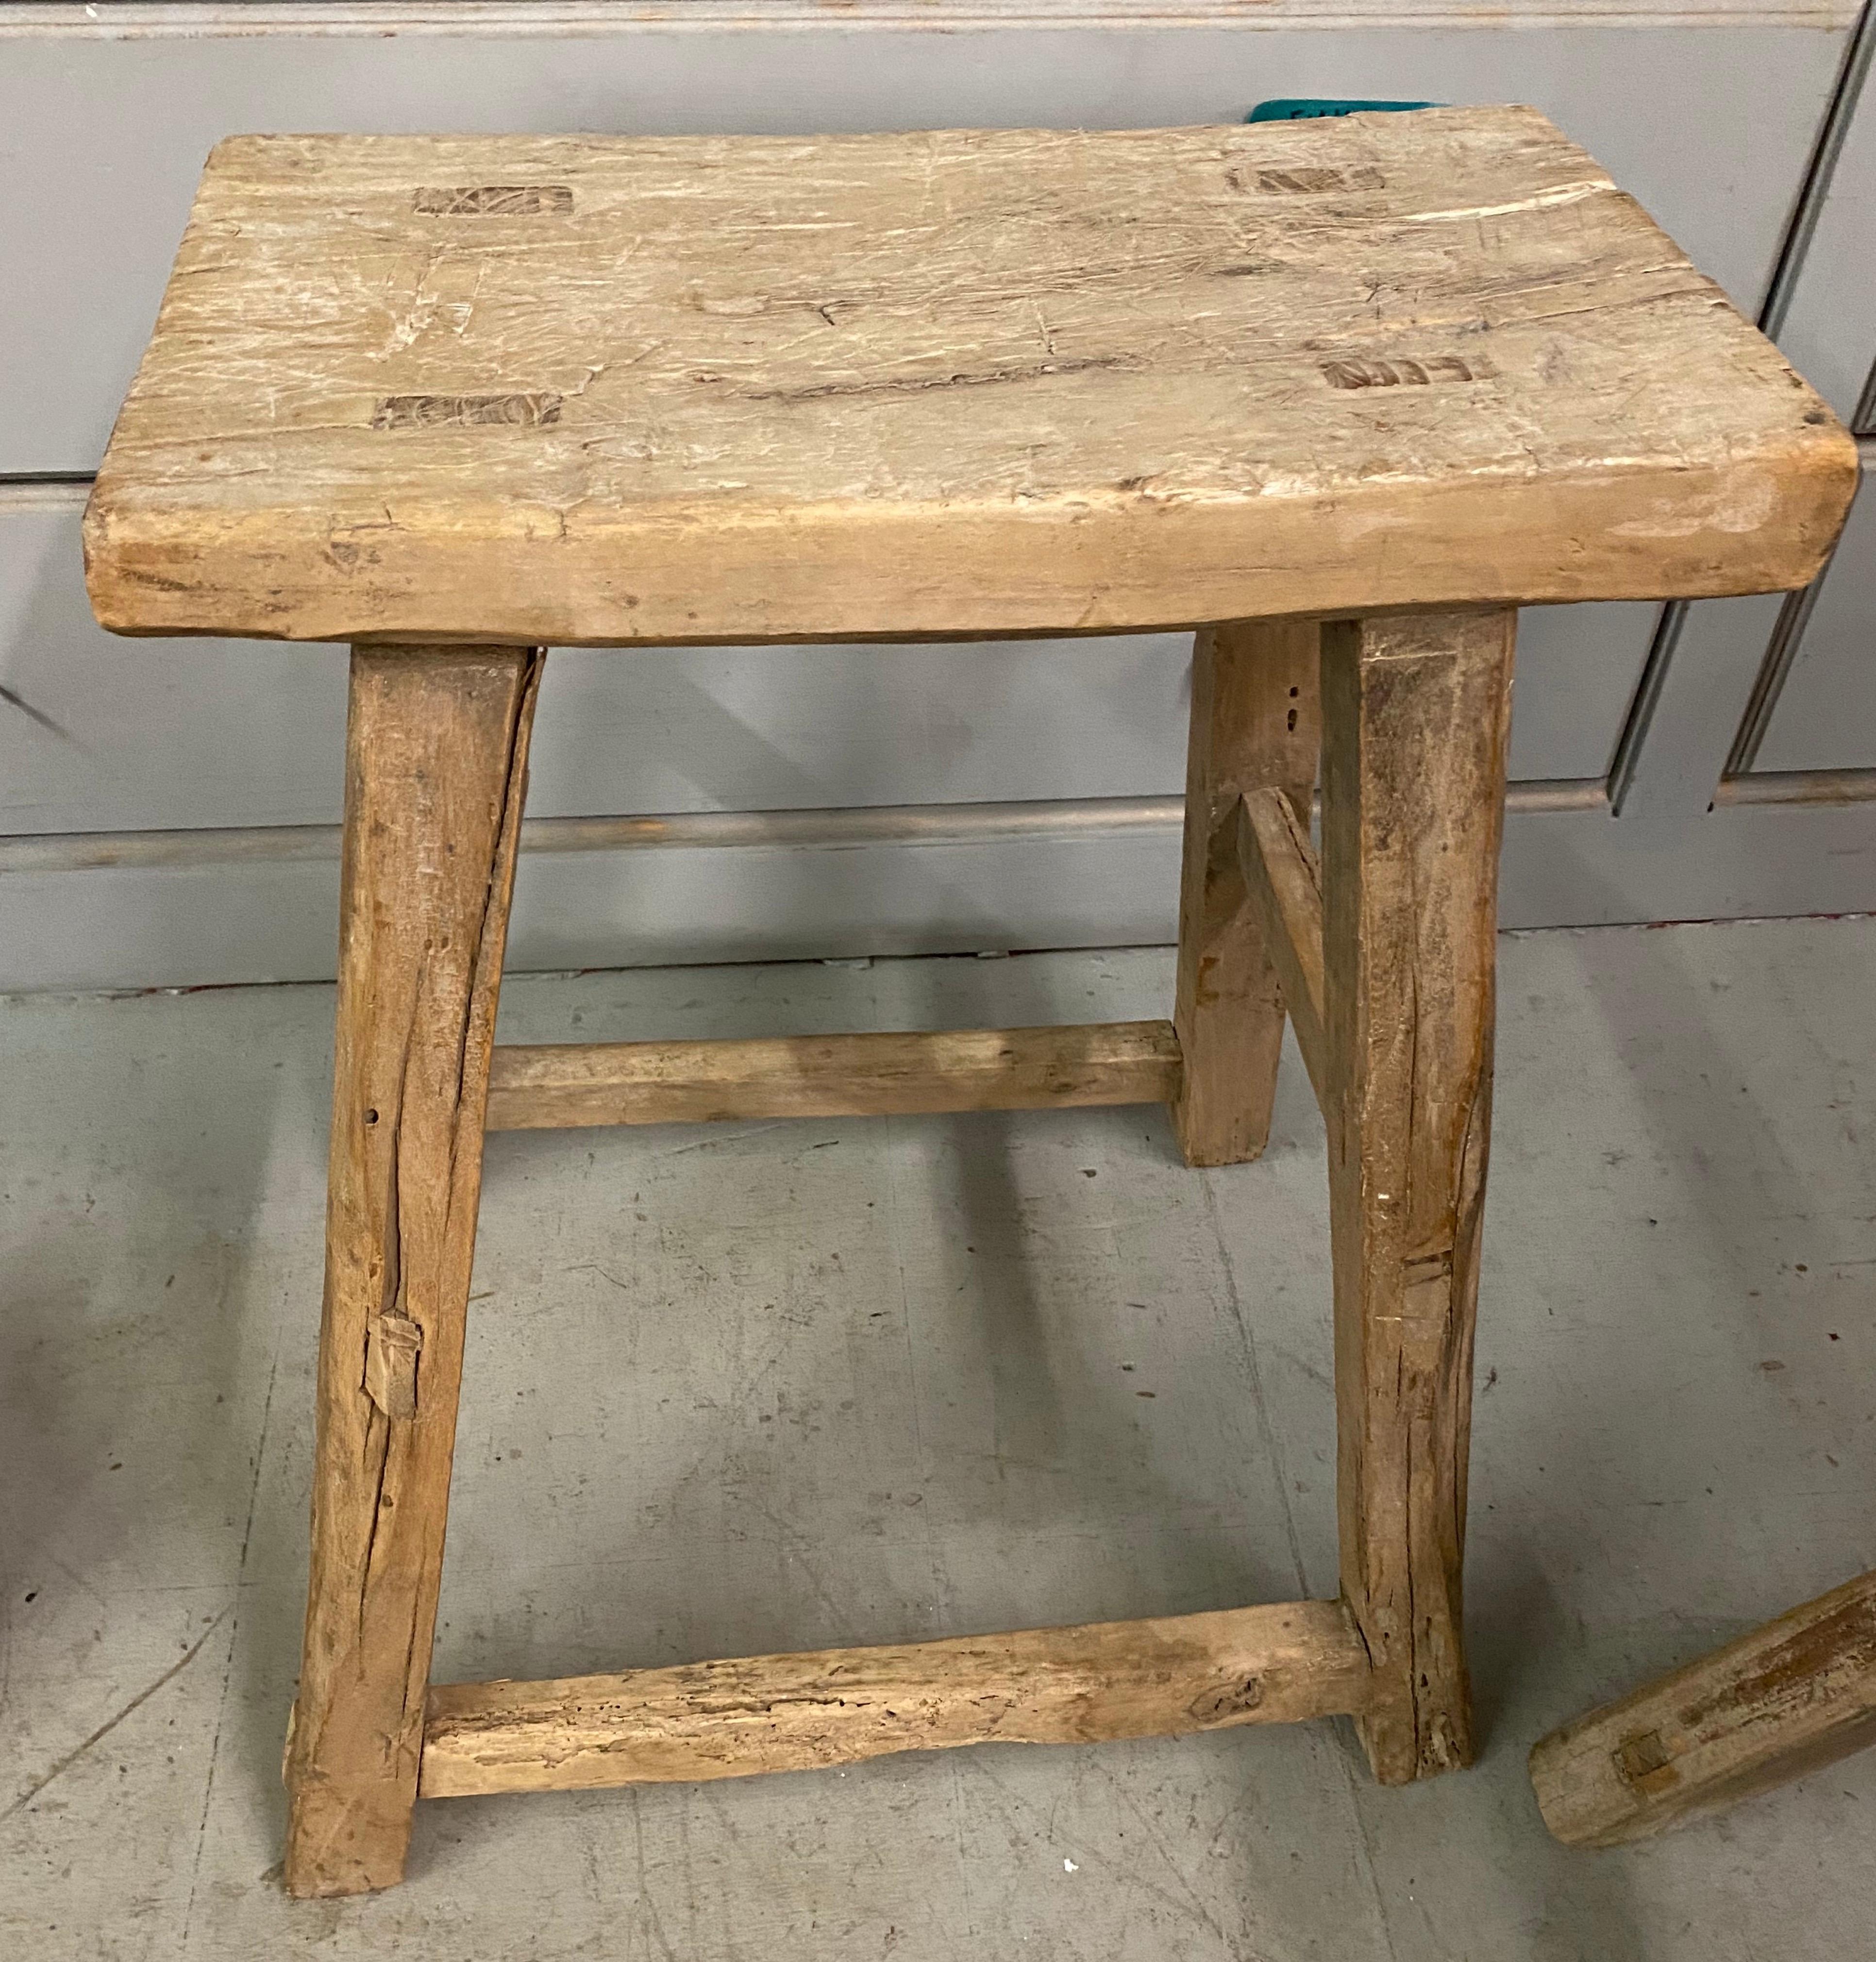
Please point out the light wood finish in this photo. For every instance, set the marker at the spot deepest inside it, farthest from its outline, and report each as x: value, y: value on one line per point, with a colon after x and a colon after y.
x: 730, y: 389
x: 1791, y: 1696
x: 1253, y: 725
x: 1284, y: 883
x: 1416, y: 713
x: 867, y: 1075
x: 436, y: 768
x: 1078, y: 1685
x: 491, y: 392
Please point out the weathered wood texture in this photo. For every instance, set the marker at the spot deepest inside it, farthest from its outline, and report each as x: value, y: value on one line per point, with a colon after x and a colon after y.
x: 1284, y: 883
x: 560, y: 1084
x: 736, y: 388
x: 1078, y: 1686
x: 1797, y: 1694
x: 1253, y: 725
x: 436, y: 769
x: 1415, y: 716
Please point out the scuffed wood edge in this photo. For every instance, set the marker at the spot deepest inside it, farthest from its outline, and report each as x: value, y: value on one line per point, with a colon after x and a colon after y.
x: 734, y: 1719
x: 1795, y: 1694
x: 869, y: 1074
x: 1285, y: 883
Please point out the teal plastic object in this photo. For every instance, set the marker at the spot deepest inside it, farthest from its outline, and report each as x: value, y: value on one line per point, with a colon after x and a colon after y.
x: 1302, y: 108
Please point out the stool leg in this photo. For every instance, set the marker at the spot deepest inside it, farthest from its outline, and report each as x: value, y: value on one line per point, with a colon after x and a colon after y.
x: 435, y: 772
x: 1254, y: 727
x: 1415, y: 712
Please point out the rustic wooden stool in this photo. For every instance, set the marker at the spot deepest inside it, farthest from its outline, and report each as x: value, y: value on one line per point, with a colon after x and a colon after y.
x: 452, y: 399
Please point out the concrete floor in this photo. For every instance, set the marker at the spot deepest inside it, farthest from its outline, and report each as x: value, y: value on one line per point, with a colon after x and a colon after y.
x: 782, y: 1385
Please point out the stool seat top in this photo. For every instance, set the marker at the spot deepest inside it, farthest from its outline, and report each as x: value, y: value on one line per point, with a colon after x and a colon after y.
x: 612, y: 390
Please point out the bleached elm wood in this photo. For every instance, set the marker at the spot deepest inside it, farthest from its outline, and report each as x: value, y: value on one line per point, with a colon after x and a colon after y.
x: 1077, y: 1685
x: 1285, y: 883
x: 864, y: 1076
x: 1791, y: 1696
x: 1415, y: 712
x: 436, y: 753
x: 612, y: 390
x: 1253, y: 725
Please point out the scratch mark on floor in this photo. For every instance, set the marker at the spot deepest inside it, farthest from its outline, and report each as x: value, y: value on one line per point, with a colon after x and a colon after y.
x: 920, y: 1465
x: 1116, y: 1782
x: 40, y: 715
x: 104, y: 1729
x: 653, y: 1922
x: 228, y: 1675
x: 1264, y: 1427
x: 1295, y: 1544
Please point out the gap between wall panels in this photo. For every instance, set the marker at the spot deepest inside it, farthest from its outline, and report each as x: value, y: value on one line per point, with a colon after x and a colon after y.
x: 1809, y: 787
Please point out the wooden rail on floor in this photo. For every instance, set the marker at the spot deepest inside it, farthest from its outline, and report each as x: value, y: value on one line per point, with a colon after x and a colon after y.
x: 1797, y: 1694
x: 1285, y: 884
x: 711, y: 1720
x: 566, y: 1084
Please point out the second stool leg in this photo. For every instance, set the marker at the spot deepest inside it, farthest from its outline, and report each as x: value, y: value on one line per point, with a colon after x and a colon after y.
x: 1254, y: 727
x: 1416, y: 713
x: 436, y: 754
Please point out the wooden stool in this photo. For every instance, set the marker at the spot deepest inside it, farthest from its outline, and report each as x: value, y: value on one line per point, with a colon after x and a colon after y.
x: 452, y: 399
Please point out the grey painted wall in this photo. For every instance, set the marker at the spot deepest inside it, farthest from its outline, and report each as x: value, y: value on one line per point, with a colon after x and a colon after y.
x: 1713, y: 126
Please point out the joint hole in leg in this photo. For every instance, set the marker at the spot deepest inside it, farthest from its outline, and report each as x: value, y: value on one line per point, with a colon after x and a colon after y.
x: 371, y: 1116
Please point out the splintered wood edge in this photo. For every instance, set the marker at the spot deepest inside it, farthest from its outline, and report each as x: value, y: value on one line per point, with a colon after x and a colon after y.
x: 734, y: 1719
x: 1797, y: 1693
x: 552, y: 1085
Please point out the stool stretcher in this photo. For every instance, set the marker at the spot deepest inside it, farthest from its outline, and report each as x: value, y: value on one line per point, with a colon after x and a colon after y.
x: 568, y: 1083
x: 711, y: 1720
x: 1787, y: 1698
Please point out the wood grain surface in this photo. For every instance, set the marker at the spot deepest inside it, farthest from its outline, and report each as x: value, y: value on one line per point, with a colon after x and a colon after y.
x: 612, y: 390
x: 1284, y: 883
x: 1254, y: 725
x: 1416, y: 713
x: 1077, y: 1685
x: 541, y: 1087
x: 437, y: 758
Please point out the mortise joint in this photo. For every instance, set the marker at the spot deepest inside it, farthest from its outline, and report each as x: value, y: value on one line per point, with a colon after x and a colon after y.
x: 494, y: 200
x: 537, y: 409
x: 1642, y: 1761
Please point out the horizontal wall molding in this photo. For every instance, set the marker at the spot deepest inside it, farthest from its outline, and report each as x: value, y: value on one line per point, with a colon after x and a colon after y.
x: 44, y: 493
x: 1798, y: 786
x: 115, y: 20
x: 217, y: 924
x: 864, y: 828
